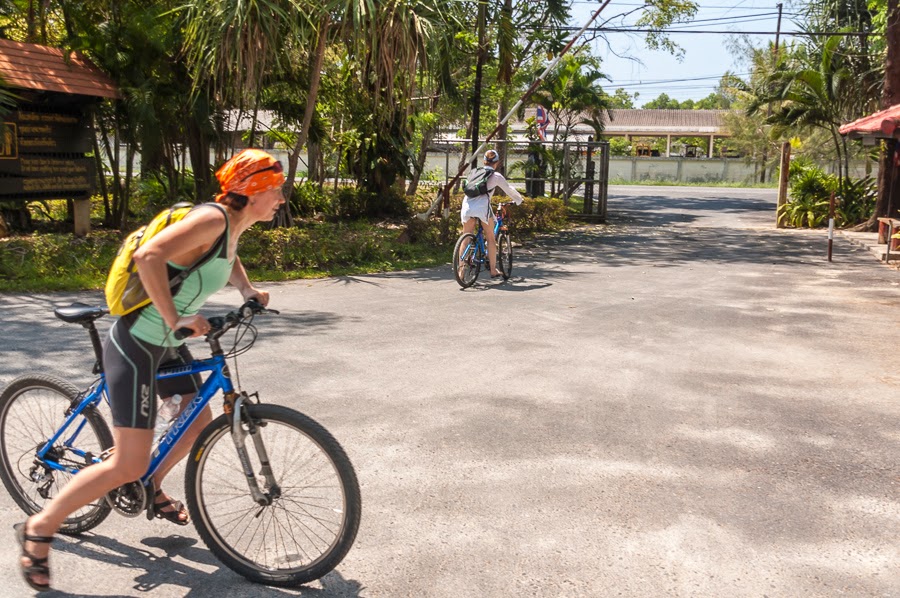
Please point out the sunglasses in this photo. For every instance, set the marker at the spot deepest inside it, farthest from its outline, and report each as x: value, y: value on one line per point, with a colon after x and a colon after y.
x: 277, y: 168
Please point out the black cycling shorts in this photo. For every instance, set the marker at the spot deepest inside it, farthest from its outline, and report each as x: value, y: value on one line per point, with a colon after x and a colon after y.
x: 130, y: 366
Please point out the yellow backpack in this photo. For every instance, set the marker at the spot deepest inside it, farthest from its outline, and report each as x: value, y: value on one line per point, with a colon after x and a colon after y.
x: 124, y: 291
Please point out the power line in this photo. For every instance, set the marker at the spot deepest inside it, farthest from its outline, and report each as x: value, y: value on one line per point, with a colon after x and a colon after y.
x: 704, y: 7
x: 705, y: 78
x: 667, y: 31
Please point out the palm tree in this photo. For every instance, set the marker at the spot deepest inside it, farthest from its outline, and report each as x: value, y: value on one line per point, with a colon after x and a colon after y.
x: 572, y: 95
x: 388, y: 43
x: 813, y: 89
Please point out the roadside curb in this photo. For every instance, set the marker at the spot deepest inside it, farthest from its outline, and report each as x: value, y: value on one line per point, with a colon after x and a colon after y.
x: 869, y: 242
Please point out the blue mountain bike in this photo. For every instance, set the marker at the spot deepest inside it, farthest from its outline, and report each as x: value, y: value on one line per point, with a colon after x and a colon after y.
x: 470, y: 253
x: 270, y: 491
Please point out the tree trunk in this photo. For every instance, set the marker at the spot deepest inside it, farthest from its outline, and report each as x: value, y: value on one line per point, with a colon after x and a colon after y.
x: 31, y: 24
x: 101, y: 174
x: 419, y: 166
x: 284, y: 217
x: 888, y: 190
x: 198, y: 149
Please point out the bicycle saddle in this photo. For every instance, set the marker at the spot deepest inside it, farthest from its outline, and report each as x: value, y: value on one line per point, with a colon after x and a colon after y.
x: 79, y: 313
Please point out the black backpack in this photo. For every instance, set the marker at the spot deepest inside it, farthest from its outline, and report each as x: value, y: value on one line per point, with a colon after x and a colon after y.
x: 478, y: 185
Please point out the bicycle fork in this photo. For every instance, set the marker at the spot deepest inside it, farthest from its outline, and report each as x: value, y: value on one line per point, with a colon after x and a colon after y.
x: 239, y: 417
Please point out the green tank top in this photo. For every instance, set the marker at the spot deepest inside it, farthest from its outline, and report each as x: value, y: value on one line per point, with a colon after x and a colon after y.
x: 199, y: 286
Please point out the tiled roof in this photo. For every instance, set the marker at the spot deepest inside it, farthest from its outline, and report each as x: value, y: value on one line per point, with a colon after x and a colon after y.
x: 881, y: 124
x: 29, y: 66
x: 661, y: 122
x: 706, y: 121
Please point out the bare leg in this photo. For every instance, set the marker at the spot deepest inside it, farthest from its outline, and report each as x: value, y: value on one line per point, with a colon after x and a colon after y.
x: 127, y: 463
x: 181, y: 449
x: 468, y: 227
x: 491, y: 243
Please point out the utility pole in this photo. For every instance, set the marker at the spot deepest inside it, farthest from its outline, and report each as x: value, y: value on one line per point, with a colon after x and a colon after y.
x: 479, y: 67
x: 765, y: 156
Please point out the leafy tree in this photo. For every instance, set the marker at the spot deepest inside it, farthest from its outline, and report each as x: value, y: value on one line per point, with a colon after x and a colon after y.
x: 663, y: 101
x: 621, y: 99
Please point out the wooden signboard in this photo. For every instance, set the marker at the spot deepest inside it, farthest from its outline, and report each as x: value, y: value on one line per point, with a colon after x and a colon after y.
x: 42, y: 155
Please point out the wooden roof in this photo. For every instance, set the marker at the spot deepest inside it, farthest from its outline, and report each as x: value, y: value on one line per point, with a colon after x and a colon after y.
x: 882, y: 125
x: 30, y: 66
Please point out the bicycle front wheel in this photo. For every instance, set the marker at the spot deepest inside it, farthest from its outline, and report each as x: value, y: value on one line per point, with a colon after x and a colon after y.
x: 315, y: 507
x: 504, y: 255
x: 465, y: 260
x: 32, y: 409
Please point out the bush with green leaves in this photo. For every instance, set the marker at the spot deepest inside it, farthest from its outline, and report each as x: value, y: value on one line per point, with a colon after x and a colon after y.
x: 352, y: 203
x: 309, y: 199
x: 857, y: 201
x: 538, y: 214
x: 810, y: 195
x: 56, y: 261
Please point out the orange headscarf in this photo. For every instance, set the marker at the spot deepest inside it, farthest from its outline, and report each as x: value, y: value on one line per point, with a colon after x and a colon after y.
x: 250, y: 172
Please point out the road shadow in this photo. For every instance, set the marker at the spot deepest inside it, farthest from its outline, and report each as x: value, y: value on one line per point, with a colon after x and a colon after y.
x: 152, y: 571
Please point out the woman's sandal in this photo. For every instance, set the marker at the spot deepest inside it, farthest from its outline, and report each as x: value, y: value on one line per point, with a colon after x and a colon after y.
x: 173, y: 515
x: 38, y: 566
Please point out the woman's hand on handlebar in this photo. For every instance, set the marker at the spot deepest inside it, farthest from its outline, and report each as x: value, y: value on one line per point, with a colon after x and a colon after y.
x: 253, y: 293
x: 196, y: 324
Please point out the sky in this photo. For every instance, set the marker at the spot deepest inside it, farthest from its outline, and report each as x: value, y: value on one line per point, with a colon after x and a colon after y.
x: 706, y: 56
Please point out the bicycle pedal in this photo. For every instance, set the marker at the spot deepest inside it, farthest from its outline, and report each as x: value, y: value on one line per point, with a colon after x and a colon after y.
x: 107, y: 453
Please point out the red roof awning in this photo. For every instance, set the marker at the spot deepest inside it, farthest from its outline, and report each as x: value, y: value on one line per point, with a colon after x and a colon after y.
x: 882, y: 125
x: 29, y: 66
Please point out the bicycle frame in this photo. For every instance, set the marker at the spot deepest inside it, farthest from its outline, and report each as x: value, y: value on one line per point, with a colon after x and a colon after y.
x: 217, y: 380
x: 480, y: 245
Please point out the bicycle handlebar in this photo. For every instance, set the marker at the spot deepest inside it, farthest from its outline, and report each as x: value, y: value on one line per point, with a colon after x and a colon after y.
x: 218, y: 325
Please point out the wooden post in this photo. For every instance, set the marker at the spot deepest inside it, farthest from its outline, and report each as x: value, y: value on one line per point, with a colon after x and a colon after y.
x: 783, y: 182
x: 82, y: 217
x: 830, y: 224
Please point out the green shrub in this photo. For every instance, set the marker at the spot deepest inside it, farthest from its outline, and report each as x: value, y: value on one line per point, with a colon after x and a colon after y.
x: 857, y: 201
x: 309, y: 199
x: 810, y: 195
x: 150, y: 196
x: 353, y: 204
x: 810, y: 190
x: 538, y: 214
x: 56, y: 261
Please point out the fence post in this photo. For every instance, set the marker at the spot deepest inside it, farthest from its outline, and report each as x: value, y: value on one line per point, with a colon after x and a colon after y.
x: 831, y: 225
x: 783, y: 183
x: 604, y: 181
x: 82, y: 209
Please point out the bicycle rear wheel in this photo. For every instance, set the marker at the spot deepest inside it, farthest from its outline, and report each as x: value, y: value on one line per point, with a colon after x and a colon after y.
x: 32, y: 408
x: 312, y: 520
x: 465, y: 260
x: 504, y: 255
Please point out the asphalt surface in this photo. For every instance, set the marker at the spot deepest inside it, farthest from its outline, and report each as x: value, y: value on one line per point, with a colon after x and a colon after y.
x: 683, y: 402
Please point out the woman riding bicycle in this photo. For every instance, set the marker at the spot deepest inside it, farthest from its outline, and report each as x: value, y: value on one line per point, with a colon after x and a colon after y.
x: 479, y: 208
x: 140, y: 342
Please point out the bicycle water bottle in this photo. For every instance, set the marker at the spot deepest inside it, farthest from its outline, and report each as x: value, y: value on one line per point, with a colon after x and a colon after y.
x: 165, y: 416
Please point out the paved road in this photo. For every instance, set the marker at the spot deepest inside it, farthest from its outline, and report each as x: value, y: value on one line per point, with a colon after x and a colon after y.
x: 685, y: 402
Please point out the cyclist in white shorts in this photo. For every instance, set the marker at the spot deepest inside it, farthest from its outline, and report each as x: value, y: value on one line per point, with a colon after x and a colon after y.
x: 480, y: 207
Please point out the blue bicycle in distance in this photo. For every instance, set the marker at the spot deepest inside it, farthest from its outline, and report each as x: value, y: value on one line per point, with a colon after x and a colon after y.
x: 270, y: 491
x: 470, y: 252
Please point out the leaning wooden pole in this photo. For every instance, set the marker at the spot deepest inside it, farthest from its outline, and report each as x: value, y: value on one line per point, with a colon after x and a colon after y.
x: 444, y: 193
